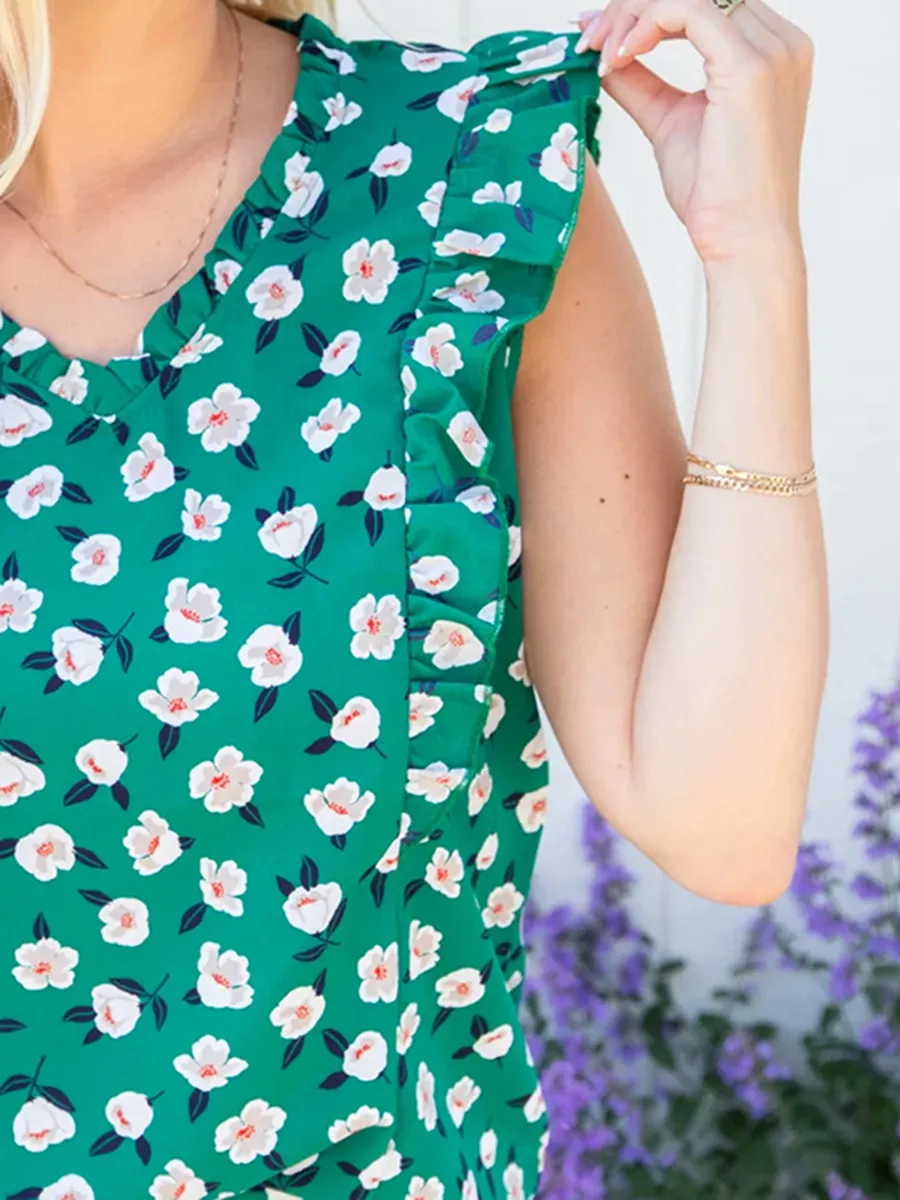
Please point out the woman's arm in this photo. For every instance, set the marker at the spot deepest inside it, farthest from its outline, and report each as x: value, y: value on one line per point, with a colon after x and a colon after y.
x: 677, y: 636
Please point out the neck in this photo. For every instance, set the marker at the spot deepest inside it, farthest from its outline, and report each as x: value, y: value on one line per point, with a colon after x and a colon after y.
x: 126, y: 75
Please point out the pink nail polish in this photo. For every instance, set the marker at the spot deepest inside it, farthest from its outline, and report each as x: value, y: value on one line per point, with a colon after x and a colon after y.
x: 585, y: 39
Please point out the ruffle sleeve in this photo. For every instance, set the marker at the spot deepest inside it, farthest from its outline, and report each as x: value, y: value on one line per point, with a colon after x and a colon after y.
x: 528, y: 108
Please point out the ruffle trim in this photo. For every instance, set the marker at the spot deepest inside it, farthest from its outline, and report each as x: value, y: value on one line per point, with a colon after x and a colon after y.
x: 508, y: 212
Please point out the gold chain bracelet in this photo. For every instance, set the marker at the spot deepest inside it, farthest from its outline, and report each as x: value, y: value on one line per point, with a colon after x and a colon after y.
x: 727, y: 476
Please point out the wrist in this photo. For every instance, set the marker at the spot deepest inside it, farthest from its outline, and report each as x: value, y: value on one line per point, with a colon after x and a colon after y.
x: 774, y: 258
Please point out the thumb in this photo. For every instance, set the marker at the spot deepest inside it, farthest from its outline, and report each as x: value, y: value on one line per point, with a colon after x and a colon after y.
x: 643, y: 94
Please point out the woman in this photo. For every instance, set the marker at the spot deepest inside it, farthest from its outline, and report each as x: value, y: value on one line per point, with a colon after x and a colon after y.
x: 271, y: 765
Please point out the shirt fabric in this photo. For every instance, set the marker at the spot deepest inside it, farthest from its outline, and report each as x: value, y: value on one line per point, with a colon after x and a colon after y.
x: 272, y: 772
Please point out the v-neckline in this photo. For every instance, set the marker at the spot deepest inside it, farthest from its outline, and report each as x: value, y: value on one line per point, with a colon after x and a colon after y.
x: 28, y: 357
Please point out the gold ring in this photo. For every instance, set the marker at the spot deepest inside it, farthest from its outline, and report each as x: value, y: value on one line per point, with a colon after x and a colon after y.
x: 727, y: 6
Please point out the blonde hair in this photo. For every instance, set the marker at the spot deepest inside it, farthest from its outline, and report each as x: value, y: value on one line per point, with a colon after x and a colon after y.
x: 25, y: 66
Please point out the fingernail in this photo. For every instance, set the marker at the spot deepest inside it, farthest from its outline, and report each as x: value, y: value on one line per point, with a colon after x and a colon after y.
x: 585, y: 40
x: 625, y: 48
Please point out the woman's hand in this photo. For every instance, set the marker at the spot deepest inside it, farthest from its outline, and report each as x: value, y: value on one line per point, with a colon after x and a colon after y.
x: 730, y: 154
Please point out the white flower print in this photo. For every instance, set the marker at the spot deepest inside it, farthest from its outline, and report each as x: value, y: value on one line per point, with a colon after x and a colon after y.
x: 387, y: 1166
x: 40, y: 488
x: 429, y: 60
x: 72, y: 386
x: 370, y: 270
x: 223, y: 419
x: 45, y: 851
x: 496, y: 1043
x: 39, y: 1124
x: 407, y: 1026
x: 366, y: 1056
x: 271, y: 656
x: 535, y: 1106
x: 542, y: 1150
x: 496, y: 713
x: 365, y: 1117
x: 357, y: 724
x: 386, y: 489
x: 445, y: 871
x: 209, y: 1064
x: 196, y: 347
x: 519, y: 668
x: 287, y: 534
x: 532, y: 809
x: 377, y: 625
x: 228, y: 781
x: 424, y: 944
x: 472, y: 293
x: 408, y: 379
x: 223, y: 978
x: 147, y: 471
x: 394, y: 159
x: 193, y: 613
x: 304, y: 187
x: 422, y: 708
x: 559, y: 161
x: 320, y: 432
x: 469, y: 1188
x: 452, y: 644
x: 298, y: 1013
x: 498, y: 121
x: 311, y: 909
x: 515, y: 544
x: 116, y: 1012
x: 96, y: 559
x: 536, y: 58
x: 346, y: 64
x: 514, y: 980
x: 430, y: 208
x: 78, y: 655
x: 478, y: 499
x: 338, y: 806
x: 514, y: 1182
x: 18, y: 778
x: 45, y: 963
x: 222, y: 885
x: 485, y: 857
x: 425, y: 1189
x: 502, y: 905
x: 24, y: 340
x: 435, y: 782
x: 434, y: 573
x: 461, y: 1097
x: 126, y: 922
x: 274, y: 293
x: 437, y: 349
x: 19, y: 419
x: 480, y: 790
x: 469, y: 437
x: 535, y: 752
x: 487, y: 1148
x: 151, y: 843
x: 340, y: 111
x: 130, y: 1114
x: 460, y: 241
x: 225, y: 273
x: 391, y: 857
x: 70, y: 1187
x: 253, y: 1133
x: 202, y: 519
x: 179, y: 1183
x: 378, y: 971
x: 455, y: 100
x: 493, y: 193
x: 18, y: 605
x: 426, y: 1105
x: 340, y: 354
x: 460, y: 988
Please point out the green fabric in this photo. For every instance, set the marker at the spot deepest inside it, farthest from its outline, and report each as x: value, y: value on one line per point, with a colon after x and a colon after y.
x: 272, y: 776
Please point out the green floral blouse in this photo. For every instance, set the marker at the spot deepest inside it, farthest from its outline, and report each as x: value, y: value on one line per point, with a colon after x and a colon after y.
x: 272, y: 774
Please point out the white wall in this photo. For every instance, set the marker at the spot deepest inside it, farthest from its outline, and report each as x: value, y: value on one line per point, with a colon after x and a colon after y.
x: 851, y: 202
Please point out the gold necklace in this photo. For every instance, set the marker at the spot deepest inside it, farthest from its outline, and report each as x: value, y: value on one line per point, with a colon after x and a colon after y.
x: 193, y: 250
